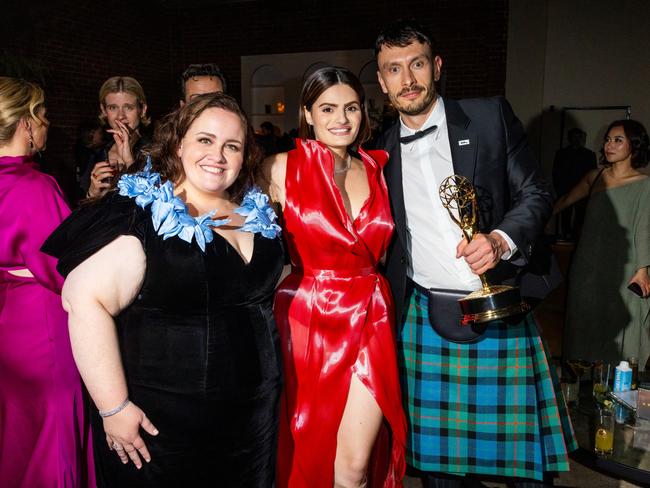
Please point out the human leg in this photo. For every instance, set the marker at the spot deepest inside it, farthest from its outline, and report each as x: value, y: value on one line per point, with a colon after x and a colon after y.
x: 566, y: 228
x: 547, y: 481
x: 498, y: 390
x: 358, y: 430
x: 441, y: 480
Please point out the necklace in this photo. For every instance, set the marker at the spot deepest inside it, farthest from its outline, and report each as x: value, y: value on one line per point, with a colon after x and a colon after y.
x: 348, y: 165
x: 170, y: 214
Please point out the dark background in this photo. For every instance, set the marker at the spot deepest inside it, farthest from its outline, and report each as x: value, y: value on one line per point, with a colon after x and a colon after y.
x: 71, y: 47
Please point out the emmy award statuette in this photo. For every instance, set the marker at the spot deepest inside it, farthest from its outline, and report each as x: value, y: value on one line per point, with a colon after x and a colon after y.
x: 490, y: 302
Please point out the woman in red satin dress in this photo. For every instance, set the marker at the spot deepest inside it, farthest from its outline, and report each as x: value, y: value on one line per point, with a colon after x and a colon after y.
x: 341, y: 419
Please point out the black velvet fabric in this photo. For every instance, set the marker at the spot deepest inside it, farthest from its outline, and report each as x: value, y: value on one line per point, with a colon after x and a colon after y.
x: 199, y: 347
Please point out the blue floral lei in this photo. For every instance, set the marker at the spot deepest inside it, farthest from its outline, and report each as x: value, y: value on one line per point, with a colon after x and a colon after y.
x: 171, y: 218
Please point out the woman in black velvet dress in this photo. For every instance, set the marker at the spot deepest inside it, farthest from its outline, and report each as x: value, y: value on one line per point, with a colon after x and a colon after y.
x: 169, y: 292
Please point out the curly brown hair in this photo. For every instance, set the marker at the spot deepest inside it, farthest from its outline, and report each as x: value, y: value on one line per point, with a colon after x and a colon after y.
x: 171, y: 131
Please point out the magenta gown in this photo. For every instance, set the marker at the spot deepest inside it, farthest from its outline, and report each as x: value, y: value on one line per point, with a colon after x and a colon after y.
x: 44, y: 436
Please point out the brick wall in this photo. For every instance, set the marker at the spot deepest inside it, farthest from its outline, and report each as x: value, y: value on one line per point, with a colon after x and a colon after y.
x: 472, y: 34
x: 77, y: 45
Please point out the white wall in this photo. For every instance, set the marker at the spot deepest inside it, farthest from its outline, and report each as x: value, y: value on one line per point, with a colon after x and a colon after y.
x: 577, y: 53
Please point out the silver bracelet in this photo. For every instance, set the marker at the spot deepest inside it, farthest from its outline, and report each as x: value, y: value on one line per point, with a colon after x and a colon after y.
x: 118, y: 409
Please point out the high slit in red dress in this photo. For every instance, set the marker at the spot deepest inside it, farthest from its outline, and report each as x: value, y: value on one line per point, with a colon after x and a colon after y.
x: 334, y: 314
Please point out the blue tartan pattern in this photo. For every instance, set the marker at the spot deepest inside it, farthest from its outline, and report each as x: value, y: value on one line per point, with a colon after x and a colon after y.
x: 489, y: 407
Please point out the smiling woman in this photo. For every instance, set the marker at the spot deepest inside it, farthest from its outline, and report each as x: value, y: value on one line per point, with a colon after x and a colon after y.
x: 617, y: 232
x: 169, y: 289
x: 208, y: 170
x: 334, y: 311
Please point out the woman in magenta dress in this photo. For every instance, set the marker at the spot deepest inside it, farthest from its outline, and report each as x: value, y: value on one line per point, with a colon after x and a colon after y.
x: 341, y: 420
x: 44, y: 437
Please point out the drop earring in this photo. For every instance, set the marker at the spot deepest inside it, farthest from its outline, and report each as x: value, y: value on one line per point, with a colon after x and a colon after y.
x: 31, y: 138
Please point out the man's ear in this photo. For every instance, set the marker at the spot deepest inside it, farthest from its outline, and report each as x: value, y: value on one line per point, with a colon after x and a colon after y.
x: 437, y: 66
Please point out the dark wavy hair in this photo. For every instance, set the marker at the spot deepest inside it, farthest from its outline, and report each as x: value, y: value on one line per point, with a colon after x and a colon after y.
x: 206, y: 69
x: 172, y: 129
x: 319, y: 81
x: 639, y: 142
x: 404, y: 32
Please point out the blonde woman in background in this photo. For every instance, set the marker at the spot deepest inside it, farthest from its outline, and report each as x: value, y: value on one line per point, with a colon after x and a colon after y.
x: 123, y: 111
x: 44, y: 437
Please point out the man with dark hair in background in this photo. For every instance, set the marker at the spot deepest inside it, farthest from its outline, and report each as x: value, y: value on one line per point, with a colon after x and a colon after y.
x: 570, y: 165
x: 488, y: 406
x: 199, y: 79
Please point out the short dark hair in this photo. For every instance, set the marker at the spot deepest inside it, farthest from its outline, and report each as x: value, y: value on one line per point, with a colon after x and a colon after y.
x: 403, y: 32
x: 206, y: 69
x: 319, y: 81
x: 639, y: 142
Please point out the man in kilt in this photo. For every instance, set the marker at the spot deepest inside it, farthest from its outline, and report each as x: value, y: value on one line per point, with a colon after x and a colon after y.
x: 483, y: 406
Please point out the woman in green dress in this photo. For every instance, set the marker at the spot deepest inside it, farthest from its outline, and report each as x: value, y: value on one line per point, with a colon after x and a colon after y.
x: 606, y: 319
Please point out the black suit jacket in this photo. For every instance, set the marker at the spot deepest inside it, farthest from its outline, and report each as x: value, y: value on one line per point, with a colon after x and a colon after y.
x: 513, y: 195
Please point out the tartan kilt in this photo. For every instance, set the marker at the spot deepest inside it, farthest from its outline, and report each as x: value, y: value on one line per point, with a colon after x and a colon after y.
x: 492, y: 407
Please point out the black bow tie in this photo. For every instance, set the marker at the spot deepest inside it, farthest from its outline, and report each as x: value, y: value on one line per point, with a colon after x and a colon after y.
x: 417, y: 135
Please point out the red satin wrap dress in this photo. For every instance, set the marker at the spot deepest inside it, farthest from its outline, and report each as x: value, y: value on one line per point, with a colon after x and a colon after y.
x: 335, y: 317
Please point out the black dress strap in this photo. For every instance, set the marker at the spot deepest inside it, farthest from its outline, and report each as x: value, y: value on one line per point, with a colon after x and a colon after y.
x: 91, y: 227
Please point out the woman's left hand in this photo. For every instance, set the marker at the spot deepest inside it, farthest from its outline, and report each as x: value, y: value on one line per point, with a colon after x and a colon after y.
x: 123, y: 434
x: 122, y: 136
x: 642, y: 279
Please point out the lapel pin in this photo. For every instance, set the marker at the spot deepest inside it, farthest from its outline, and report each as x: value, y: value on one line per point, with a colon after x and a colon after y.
x: 464, y: 142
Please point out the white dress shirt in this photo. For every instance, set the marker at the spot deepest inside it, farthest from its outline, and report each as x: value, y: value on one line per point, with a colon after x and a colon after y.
x: 432, y: 234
